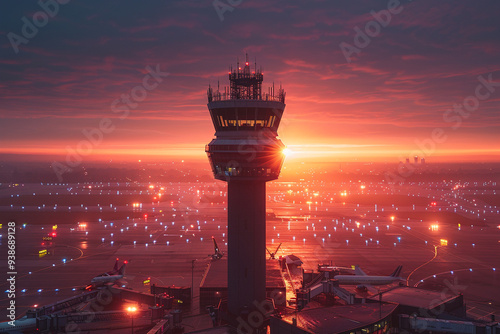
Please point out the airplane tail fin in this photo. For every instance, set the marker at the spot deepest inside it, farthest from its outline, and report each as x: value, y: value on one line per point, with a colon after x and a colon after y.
x: 358, y: 271
x: 216, y: 248
x: 397, y: 271
x: 116, y: 266
x: 121, y: 271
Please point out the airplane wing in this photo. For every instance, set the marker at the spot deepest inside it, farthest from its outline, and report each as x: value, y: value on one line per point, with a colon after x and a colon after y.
x: 371, y: 289
x: 358, y: 271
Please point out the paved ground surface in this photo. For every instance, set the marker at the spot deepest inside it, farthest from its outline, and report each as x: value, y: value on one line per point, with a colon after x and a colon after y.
x: 345, y: 224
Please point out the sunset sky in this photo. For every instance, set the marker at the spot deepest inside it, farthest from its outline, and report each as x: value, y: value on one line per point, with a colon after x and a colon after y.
x: 393, y: 99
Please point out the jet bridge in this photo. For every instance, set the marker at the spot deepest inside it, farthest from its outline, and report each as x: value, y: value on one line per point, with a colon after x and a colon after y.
x: 320, y: 285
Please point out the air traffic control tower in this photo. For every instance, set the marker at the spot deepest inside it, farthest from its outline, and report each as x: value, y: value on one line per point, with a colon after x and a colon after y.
x: 246, y: 153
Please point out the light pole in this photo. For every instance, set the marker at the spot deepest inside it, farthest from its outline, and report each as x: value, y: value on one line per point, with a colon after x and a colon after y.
x: 131, y: 310
x: 192, y: 279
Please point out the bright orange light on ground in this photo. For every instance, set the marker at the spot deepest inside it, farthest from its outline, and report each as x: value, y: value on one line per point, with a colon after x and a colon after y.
x: 443, y: 242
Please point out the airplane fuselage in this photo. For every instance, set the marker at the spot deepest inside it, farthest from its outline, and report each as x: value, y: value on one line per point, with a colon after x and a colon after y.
x: 360, y: 280
x: 106, y: 279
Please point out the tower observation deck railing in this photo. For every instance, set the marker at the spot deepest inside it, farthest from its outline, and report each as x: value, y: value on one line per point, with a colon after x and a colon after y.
x: 225, y: 96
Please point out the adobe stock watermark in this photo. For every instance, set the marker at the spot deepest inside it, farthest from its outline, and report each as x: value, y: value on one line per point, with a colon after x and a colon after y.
x: 437, y: 306
x: 455, y: 117
x: 257, y: 317
x: 40, y: 19
x: 222, y: 6
x: 372, y: 29
x: 120, y: 106
x: 103, y: 298
x: 11, y: 273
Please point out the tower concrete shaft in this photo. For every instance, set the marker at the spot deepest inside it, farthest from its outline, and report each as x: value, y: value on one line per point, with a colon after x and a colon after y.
x: 246, y: 153
x: 247, y: 243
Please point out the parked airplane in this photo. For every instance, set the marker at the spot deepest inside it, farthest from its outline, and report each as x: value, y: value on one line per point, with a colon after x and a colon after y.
x: 363, y: 279
x: 111, y: 276
x: 22, y: 325
x: 273, y: 255
x: 217, y: 253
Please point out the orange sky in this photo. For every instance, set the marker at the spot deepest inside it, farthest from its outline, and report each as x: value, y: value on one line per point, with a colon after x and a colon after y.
x: 382, y: 104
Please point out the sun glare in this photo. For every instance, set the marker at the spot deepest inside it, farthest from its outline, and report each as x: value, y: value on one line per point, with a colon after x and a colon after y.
x: 287, y: 152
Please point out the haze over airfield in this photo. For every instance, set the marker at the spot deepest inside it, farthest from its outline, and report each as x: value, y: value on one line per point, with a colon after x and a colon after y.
x: 382, y: 102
